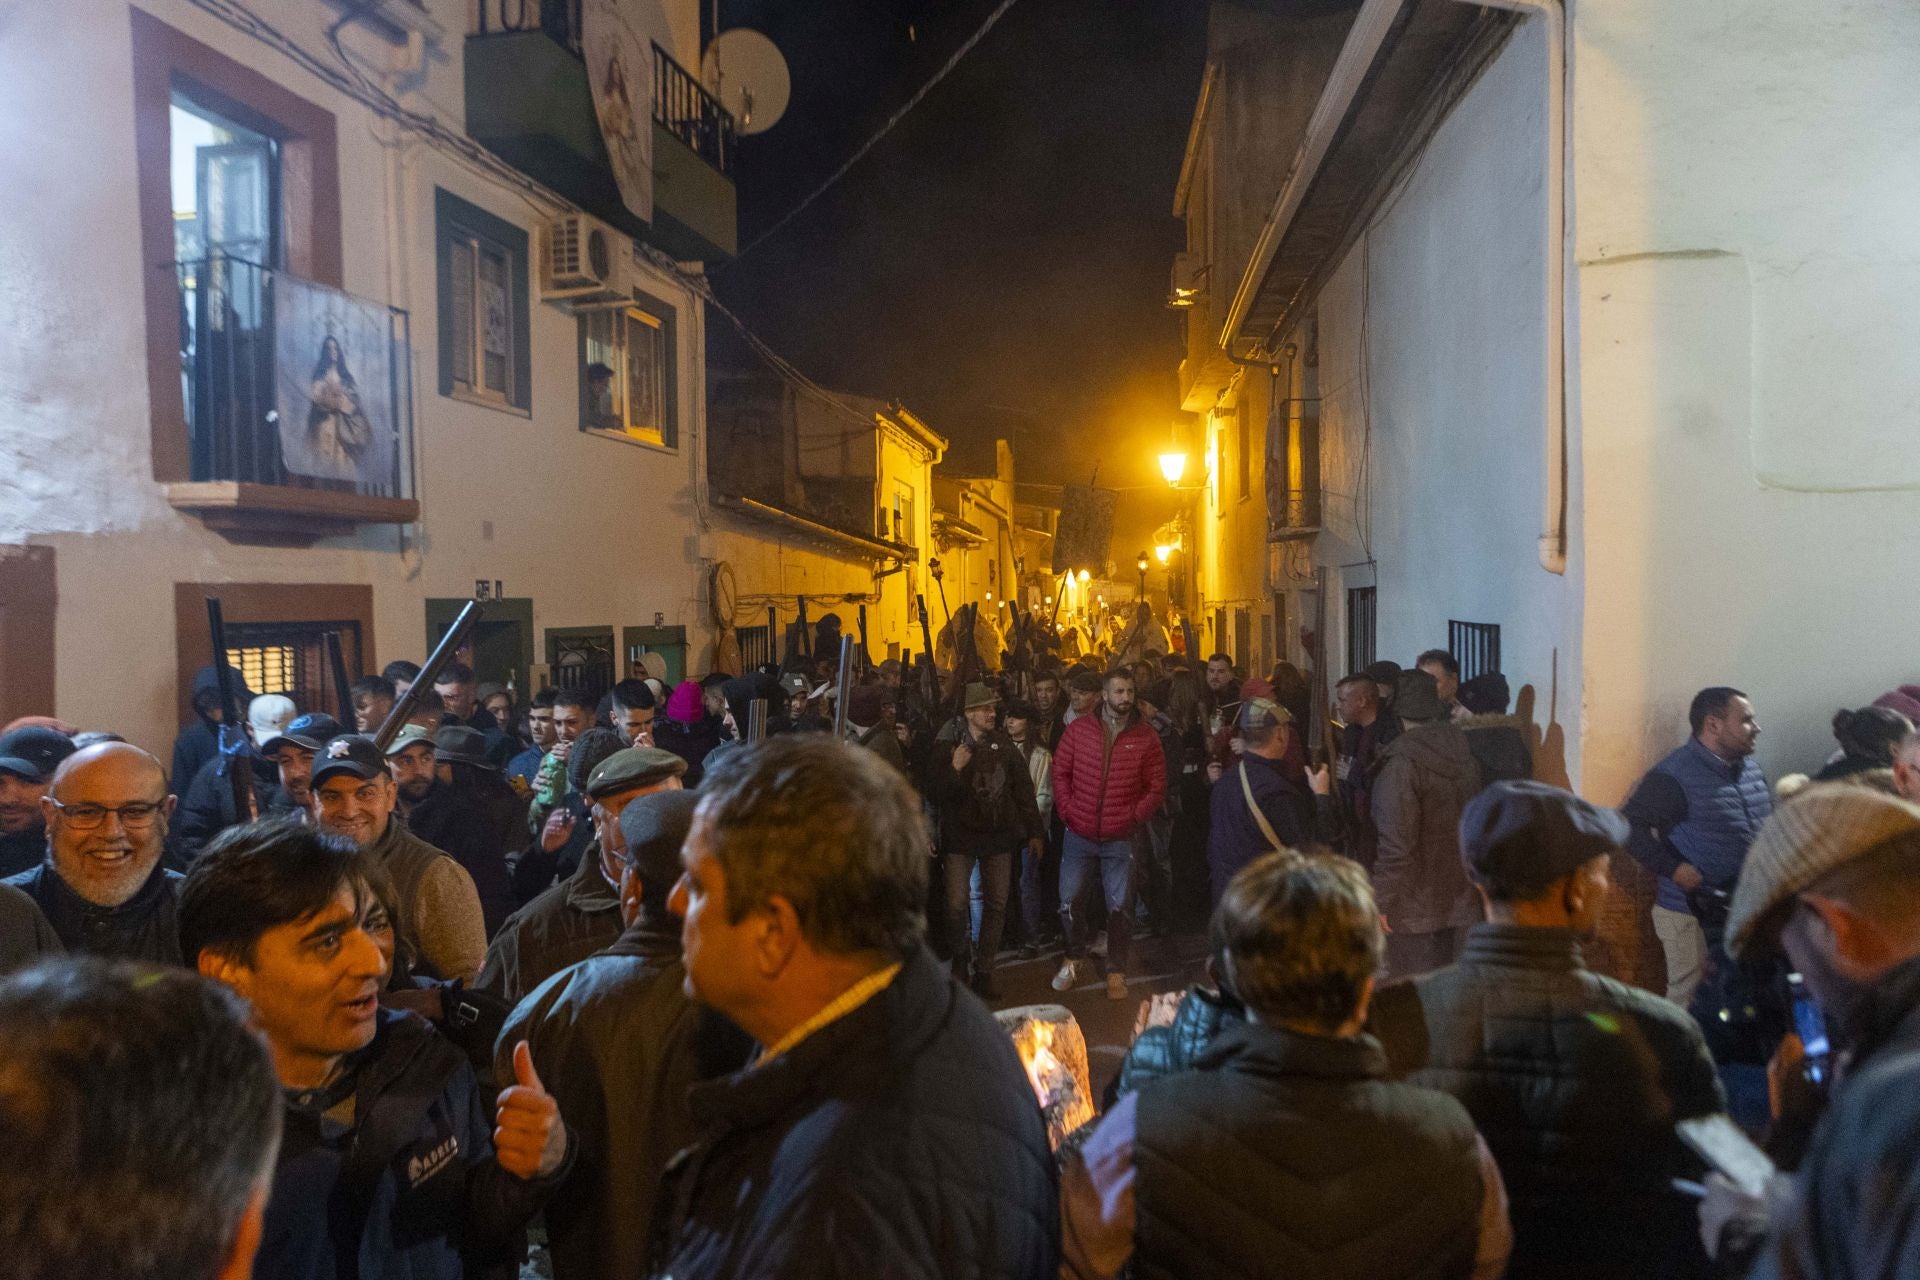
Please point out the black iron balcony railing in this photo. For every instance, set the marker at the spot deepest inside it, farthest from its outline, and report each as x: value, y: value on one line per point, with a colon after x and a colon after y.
x: 684, y: 108
x: 290, y: 383
x: 681, y: 104
x: 560, y: 19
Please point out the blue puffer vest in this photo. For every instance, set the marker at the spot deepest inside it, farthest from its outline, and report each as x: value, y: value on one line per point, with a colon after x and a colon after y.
x: 1726, y: 804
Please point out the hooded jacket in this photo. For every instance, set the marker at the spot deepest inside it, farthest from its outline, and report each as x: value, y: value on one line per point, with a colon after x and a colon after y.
x: 207, y: 806
x: 618, y: 1043
x: 901, y: 1140
x: 692, y: 741
x: 1107, y: 787
x: 412, y: 1190
x: 1426, y: 777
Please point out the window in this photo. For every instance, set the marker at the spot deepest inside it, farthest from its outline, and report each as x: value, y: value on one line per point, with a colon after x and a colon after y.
x: 225, y: 184
x: 230, y: 163
x: 581, y: 658
x: 903, y: 526
x: 482, y: 267
x: 1360, y: 628
x: 291, y: 658
x: 626, y: 373
x: 1475, y: 646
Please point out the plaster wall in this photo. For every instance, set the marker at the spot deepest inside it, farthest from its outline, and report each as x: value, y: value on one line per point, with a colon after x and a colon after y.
x: 598, y: 531
x: 1432, y: 377
x: 1747, y: 254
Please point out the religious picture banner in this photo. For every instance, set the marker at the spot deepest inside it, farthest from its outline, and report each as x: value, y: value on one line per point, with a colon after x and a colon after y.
x: 334, y: 381
x: 620, y: 71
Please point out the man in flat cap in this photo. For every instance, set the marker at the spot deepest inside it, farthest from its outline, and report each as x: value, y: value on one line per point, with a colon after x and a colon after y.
x: 618, y: 1042
x: 1575, y: 1080
x: 572, y: 920
x: 1833, y: 880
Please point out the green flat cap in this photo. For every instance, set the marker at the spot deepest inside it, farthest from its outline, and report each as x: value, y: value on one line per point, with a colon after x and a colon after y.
x: 409, y: 735
x: 633, y: 767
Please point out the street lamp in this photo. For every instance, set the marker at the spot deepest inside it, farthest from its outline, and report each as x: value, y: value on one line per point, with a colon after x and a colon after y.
x: 1141, y: 564
x: 1162, y: 552
x: 1173, y: 465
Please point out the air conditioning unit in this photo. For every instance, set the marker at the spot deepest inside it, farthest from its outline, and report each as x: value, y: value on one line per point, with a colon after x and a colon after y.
x: 582, y: 260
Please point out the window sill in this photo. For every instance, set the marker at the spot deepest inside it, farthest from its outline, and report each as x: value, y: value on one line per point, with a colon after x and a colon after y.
x: 283, y: 516
x: 621, y: 437
x: 487, y: 402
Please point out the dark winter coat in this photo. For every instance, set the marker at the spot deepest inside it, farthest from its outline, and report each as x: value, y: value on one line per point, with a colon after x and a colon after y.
x: 1106, y: 789
x: 208, y: 809
x: 477, y: 828
x: 988, y: 807
x: 1330, y: 1168
x: 141, y: 928
x: 25, y: 935
x: 22, y: 850
x: 1575, y: 1081
x: 618, y: 1043
x: 560, y: 927
x: 1499, y: 745
x: 1235, y: 839
x: 691, y: 742
x: 1855, y: 1214
x: 198, y: 743
x: 902, y: 1140
x: 1426, y: 777
x: 412, y: 1191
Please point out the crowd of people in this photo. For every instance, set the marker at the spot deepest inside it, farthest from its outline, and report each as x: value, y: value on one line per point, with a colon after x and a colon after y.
x: 694, y: 977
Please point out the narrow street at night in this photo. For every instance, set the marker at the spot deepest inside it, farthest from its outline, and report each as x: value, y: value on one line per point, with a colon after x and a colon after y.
x: 755, y: 640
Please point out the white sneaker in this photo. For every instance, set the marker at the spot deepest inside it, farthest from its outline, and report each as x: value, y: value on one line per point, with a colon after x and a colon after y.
x: 1064, y: 980
x: 1116, y: 986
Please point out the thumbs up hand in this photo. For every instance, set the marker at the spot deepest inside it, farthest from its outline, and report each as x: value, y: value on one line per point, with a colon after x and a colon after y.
x: 529, y: 1140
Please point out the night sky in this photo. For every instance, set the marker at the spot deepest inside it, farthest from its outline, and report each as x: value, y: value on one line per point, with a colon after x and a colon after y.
x: 1000, y: 261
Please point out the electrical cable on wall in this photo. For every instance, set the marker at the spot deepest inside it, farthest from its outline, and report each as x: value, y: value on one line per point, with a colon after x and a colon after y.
x: 885, y: 129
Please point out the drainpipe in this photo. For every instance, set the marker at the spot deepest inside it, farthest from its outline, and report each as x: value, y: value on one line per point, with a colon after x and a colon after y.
x: 1553, y: 538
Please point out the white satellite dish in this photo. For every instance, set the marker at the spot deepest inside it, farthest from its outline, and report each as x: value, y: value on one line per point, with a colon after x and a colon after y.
x: 746, y: 72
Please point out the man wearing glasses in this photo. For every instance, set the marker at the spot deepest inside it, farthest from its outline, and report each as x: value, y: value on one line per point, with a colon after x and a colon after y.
x: 102, y: 886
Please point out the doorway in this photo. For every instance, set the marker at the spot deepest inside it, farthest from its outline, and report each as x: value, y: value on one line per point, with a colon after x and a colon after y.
x: 500, y: 648
x: 669, y: 642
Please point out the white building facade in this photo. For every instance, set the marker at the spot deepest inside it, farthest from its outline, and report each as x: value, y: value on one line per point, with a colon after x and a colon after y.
x: 204, y: 190
x: 1592, y: 319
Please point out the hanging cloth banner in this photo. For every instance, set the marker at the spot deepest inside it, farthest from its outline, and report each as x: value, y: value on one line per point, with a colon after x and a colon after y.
x: 334, y: 385
x: 620, y: 72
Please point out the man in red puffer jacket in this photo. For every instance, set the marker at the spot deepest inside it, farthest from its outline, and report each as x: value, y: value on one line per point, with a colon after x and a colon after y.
x: 1109, y: 778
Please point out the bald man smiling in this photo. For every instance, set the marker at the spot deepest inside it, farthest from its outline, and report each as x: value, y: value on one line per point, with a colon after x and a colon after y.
x: 102, y: 886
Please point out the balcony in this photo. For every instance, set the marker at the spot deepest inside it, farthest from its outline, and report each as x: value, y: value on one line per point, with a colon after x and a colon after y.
x: 529, y: 101
x: 299, y: 405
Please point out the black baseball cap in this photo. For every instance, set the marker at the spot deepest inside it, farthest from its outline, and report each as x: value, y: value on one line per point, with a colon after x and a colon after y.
x: 311, y: 731
x: 1527, y: 834
x: 33, y: 752
x: 352, y: 753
